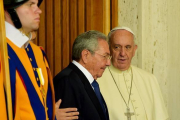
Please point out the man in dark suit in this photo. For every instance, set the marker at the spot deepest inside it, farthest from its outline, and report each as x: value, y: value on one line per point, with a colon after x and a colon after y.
x: 76, y: 84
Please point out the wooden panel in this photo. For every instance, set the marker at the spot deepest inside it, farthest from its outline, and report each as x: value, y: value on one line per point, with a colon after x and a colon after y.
x: 49, y: 33
x: 106, y: 16
x: 81, y: 16
x: 65, y: 33
x: 97, y: 15
x: 57, y: 36
x: 89, y: 17
x: 114, y: 13
x: 73, y: 23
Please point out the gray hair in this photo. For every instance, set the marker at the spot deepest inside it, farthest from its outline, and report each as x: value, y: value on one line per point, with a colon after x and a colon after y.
x: 120, y: 28
x: 87, y: 40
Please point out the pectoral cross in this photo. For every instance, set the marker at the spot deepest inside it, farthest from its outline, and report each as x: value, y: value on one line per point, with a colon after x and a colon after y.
x: 129, y: 114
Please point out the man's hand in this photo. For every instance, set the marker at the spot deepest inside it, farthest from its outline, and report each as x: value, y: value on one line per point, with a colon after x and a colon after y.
x: 66, y: 113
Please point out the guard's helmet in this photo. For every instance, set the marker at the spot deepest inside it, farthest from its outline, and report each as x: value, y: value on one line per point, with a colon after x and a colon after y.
x: 11, y: 5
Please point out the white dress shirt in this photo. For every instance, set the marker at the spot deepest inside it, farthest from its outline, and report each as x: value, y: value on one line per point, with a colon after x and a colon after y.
x: 85, y: 72
x: 16, y: 36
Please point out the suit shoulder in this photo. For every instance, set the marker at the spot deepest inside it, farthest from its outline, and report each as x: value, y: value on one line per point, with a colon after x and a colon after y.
x: 65, y: 72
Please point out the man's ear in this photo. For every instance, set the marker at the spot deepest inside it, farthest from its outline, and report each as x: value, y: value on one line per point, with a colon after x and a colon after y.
x: 85, y: 56
x: 8, y: 17
x: 6, y: 14
x: 135, y: 48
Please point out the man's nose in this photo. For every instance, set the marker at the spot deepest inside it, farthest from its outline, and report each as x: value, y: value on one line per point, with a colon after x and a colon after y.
x: 122, y: 51
x: 39, y: 10
x: 108, y: 62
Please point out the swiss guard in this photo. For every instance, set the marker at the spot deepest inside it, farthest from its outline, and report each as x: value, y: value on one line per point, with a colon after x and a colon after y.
x: 32, y: 89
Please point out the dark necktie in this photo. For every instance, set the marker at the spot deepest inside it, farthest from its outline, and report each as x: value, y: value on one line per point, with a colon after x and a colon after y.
x: 99, y: 96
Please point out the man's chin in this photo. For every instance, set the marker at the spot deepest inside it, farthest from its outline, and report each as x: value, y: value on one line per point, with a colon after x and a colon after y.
x: 99, y: 75
x: 36, y: 28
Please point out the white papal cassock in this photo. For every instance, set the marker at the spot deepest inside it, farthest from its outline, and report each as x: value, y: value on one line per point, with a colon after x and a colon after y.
x: 146, y: 100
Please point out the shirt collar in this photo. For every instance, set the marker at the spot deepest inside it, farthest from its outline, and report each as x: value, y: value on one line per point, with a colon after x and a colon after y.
x: 128, y: 71
x: 85, y: 71
x: 15, y: 36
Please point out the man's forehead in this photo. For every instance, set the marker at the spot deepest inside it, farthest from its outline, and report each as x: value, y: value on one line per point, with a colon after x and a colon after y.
x: 36, y: 1
x: 122, y: 35
x: 121, y: 38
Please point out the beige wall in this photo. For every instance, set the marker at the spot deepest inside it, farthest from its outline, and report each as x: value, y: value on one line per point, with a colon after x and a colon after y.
x: 156, y: 24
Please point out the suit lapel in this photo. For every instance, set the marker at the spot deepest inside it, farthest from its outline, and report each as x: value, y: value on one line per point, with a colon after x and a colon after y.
x: 89, y: 90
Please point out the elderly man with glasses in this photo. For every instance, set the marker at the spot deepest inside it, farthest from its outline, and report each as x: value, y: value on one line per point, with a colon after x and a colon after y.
x: 76, y: 85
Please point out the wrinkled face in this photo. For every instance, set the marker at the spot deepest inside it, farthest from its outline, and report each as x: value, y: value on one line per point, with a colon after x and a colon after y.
x: 99, y: 60
x: 122, y: 48
x: 29, y: 15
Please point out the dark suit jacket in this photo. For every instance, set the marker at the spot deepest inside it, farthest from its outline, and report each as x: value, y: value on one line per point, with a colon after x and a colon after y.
x: 72, y: 86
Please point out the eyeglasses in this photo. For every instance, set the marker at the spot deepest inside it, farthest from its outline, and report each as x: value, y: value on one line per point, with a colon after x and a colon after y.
x: 105, y: 56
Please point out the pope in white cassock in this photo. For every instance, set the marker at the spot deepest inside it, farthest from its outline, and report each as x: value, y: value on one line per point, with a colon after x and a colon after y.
x: 130, y: 92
